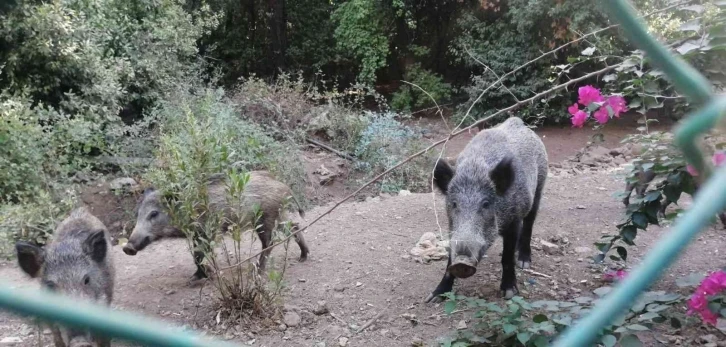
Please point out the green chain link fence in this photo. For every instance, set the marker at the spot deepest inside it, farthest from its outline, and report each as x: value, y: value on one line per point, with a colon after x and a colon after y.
x: 710, y: 200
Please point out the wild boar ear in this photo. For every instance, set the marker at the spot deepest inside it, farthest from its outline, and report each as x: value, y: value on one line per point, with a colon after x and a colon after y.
x: 502, y: 175
x: 30, y: 258
x: 443, y: 173
x: 96, y: 246
x: 148, y: 191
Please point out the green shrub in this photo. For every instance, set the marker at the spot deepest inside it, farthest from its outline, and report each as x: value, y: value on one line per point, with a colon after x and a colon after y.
x: 408, y: 97
x: 202, y: 134
x: 33, y: 220
x: 384, y: 143
x: 239, y: 143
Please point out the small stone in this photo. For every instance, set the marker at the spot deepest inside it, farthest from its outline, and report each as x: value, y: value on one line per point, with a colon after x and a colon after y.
x: 343, y: 341
x: 321, y: 308
x: 417, y: 342
x: 549, y: 248
x: 170, y: 292
x: 404, y: 193
x: 302, y: 280
x: 580, y: 207
x: 708, y: 338
x: 461, y: 325
x: 583, y: 250
x: 339, y: 288
x: 292, y: 319
x: 358, y: 284
x: 10, y: 339
x: 281, y: 327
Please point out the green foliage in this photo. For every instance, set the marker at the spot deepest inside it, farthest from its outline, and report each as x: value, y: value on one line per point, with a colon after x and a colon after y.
x: 384, y: 143
x: 408, y: 97
x: 659, y: 155
x: 505, y: 38
x: 33, y: 220
x: 362, y: 33
x: 520, y: 323
x: 235, y: 141
x: 195, y: 149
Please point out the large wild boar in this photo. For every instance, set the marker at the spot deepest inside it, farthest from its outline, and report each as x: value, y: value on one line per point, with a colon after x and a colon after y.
x: 153, y: 222
x: 76, y: 263
x: 495, y: 189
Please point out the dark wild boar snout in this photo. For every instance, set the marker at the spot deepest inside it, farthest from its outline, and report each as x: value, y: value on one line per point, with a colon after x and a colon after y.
x: 465, y: 255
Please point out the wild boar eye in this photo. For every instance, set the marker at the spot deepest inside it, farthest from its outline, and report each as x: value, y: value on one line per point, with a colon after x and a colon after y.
x: 86, y: 280
x: 153, y: 214
x: 485, y: 204
x: 453, y: 204
x: 50, y: 285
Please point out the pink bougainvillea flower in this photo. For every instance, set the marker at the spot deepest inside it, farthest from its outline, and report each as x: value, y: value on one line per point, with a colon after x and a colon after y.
x: 709, y: 317
x: 691, y: 170
x: 578, y: 119
x: 720, y: 278
x: 573, y: 109
x: 611, y: 276
x: 710, y: 286
x: 697, y: 303
x: 718, y: 158
x: 601, y: 115
x: 617, y: 104
x: 589, y: 94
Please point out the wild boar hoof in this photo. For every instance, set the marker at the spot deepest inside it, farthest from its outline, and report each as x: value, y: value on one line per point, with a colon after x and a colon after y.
x: 303, y: 258
x: 434, y: 298
x: 523, y: 264
x: 510, y: 293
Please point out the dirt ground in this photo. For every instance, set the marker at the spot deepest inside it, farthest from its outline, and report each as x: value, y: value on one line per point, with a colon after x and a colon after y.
x: 361, y: 268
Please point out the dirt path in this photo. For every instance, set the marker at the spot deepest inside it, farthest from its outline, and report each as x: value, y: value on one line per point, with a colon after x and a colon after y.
x: 360, y: 266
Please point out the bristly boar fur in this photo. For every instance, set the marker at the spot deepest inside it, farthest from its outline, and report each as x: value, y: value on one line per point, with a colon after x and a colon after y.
x: 495, y: 189
x: 153, y: 222
x: 77, y: 263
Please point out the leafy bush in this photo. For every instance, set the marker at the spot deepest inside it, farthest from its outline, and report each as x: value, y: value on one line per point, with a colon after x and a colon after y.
x: 408, y: 97
x: 362, y: 33
x: 33, y: 220
x: 521, y: 323
x: 384, y: 143
x: 193, y: 148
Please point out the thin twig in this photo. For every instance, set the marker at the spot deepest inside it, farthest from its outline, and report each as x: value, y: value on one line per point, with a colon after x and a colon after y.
x: 338, y: 319
x: 532, y: 272
x: 370, y: 322
x: 443, y: 149
x: 490, y: 70
x: 430, y: 147
x: 331, y: 149
x: 438, y: 108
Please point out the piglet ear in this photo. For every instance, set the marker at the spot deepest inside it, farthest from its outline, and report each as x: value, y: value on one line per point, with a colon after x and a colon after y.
x: 96, y: 246
x: 30, y: 258
x: 443, y: 173
x: 502, y: 175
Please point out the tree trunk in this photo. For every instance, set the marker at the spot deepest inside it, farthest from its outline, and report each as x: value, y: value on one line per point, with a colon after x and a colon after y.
x: 279, y: 33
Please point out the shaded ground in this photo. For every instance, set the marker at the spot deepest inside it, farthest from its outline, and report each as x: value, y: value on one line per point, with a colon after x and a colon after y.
x: 360, y: 266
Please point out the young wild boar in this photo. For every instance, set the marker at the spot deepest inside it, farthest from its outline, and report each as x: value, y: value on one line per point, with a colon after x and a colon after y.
x: 153, y: 222
x: 495, y: 189
x: 76, y: 263
x: 641, y: 185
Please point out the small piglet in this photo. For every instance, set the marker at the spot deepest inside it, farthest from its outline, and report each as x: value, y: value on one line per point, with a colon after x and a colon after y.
x: 76, y: 263
x: 495, y: 189
x: 153, y: 222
